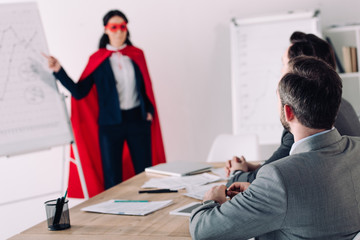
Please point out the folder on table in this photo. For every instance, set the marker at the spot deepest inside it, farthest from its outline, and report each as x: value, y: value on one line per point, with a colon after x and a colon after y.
x: 179, y: 168
x: 127, y: 207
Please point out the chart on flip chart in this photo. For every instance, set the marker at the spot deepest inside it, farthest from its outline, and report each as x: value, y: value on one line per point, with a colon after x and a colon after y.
x: 257, y: 45
x: 33, y: 115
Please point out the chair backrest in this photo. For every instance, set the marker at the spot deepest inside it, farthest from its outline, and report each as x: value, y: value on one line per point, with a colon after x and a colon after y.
x: 225, y: 146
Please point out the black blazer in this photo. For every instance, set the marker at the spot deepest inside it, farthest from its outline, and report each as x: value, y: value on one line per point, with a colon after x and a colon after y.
x: 108, y: 98
x: 287, y: 140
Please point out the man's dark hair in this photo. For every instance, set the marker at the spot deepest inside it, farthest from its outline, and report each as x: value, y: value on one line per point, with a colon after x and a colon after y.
x: 311, y: 45
x: 313, y: 90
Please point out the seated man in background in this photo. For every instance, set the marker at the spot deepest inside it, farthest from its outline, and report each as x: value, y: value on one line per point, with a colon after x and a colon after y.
x: 311, y: 194
x: 347, y: 122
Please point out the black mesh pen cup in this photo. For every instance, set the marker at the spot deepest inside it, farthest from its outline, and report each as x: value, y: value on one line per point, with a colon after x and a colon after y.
x: 57, y: 213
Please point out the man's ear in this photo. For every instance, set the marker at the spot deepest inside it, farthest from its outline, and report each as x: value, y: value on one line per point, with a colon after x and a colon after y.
x: 289, y: 114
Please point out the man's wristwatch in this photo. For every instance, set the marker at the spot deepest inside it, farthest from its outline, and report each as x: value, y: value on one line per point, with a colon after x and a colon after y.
x: 208, y: 202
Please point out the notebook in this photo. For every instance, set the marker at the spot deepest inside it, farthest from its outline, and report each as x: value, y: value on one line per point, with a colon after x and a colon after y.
x: 179, y: 168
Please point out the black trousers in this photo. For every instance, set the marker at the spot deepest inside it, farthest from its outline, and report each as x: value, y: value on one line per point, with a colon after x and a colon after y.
x: 136, y: 132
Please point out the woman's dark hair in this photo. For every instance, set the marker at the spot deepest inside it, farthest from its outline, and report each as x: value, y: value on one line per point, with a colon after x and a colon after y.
x: 105, y: 38
x: 311, y: 45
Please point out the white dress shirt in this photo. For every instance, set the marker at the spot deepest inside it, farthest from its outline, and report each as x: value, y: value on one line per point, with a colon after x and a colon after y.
x: 124, y: 74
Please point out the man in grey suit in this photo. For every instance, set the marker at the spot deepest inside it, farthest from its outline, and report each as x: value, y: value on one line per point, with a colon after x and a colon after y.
x: 347, y: 121
x: 312, y: 194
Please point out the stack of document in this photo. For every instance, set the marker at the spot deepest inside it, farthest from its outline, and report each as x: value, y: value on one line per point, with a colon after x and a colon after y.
x: 127, y: 207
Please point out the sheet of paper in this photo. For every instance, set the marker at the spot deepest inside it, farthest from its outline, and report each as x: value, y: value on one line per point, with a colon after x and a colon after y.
x: 198, y: 192
x: 220, y: 172
x: 127, y: 207
x: 181, y: 182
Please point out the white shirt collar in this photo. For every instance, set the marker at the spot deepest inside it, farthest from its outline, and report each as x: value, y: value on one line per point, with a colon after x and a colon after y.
x: 112, y: 48
x: 307, y: 138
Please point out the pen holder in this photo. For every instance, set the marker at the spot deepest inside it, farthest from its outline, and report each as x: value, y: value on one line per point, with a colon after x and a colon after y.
x: 57, y: 213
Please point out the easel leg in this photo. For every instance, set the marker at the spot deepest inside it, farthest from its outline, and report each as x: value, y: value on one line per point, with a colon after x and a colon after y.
x: 80, y: 171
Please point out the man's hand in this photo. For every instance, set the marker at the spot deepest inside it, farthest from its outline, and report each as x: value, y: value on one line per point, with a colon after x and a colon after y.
x: 217, y: 194
x: 236, y: 163
x: 237, y: 187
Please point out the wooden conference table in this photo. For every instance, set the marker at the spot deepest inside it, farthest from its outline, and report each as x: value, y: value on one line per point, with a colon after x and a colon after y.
x: 156, y: 225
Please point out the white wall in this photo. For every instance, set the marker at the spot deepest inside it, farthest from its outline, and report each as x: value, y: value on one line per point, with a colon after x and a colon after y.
x: 187, y: 46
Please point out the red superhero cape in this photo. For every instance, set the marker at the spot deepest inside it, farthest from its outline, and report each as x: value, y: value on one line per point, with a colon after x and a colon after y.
x: 84, y: 118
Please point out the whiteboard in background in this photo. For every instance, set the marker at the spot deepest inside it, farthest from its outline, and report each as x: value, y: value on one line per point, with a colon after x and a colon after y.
x: 32, y: 112
x: 257, y: 46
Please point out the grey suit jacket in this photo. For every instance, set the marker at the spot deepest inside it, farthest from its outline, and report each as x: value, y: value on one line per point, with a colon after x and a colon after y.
x: 347, y: 123
x: 312, y: 194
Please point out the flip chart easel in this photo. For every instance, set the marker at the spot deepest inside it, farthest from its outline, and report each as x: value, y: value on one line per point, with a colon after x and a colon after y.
x: 33, y: 112
x: 257, y: 45
x: 76, y: 159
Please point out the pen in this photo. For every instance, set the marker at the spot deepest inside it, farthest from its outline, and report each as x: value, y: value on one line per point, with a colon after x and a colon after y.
x: 158, y: 191
x: 65, y: 194
x: 131, y: 201
x: 59, y: 209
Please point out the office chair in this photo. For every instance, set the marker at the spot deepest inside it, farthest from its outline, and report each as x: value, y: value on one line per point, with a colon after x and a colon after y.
x: 225, y: 146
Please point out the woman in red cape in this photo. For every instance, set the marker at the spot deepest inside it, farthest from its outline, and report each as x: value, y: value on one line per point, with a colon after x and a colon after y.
x: 117, y: 129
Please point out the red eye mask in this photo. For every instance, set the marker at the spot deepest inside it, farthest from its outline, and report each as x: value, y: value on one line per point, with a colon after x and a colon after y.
x: 113, y: 27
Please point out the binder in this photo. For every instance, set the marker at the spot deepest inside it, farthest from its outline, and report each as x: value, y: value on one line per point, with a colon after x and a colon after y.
x: 347, y: 59
x: 353, y: 56
x: 338, y: 62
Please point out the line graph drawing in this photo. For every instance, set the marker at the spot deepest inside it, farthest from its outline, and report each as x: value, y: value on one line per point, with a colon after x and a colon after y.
x: 26, y: 72
x: 5, y: 77
x: 10, y: 44
x: 32, y: 110
x: 255, y: 84
x: 256, y: 49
